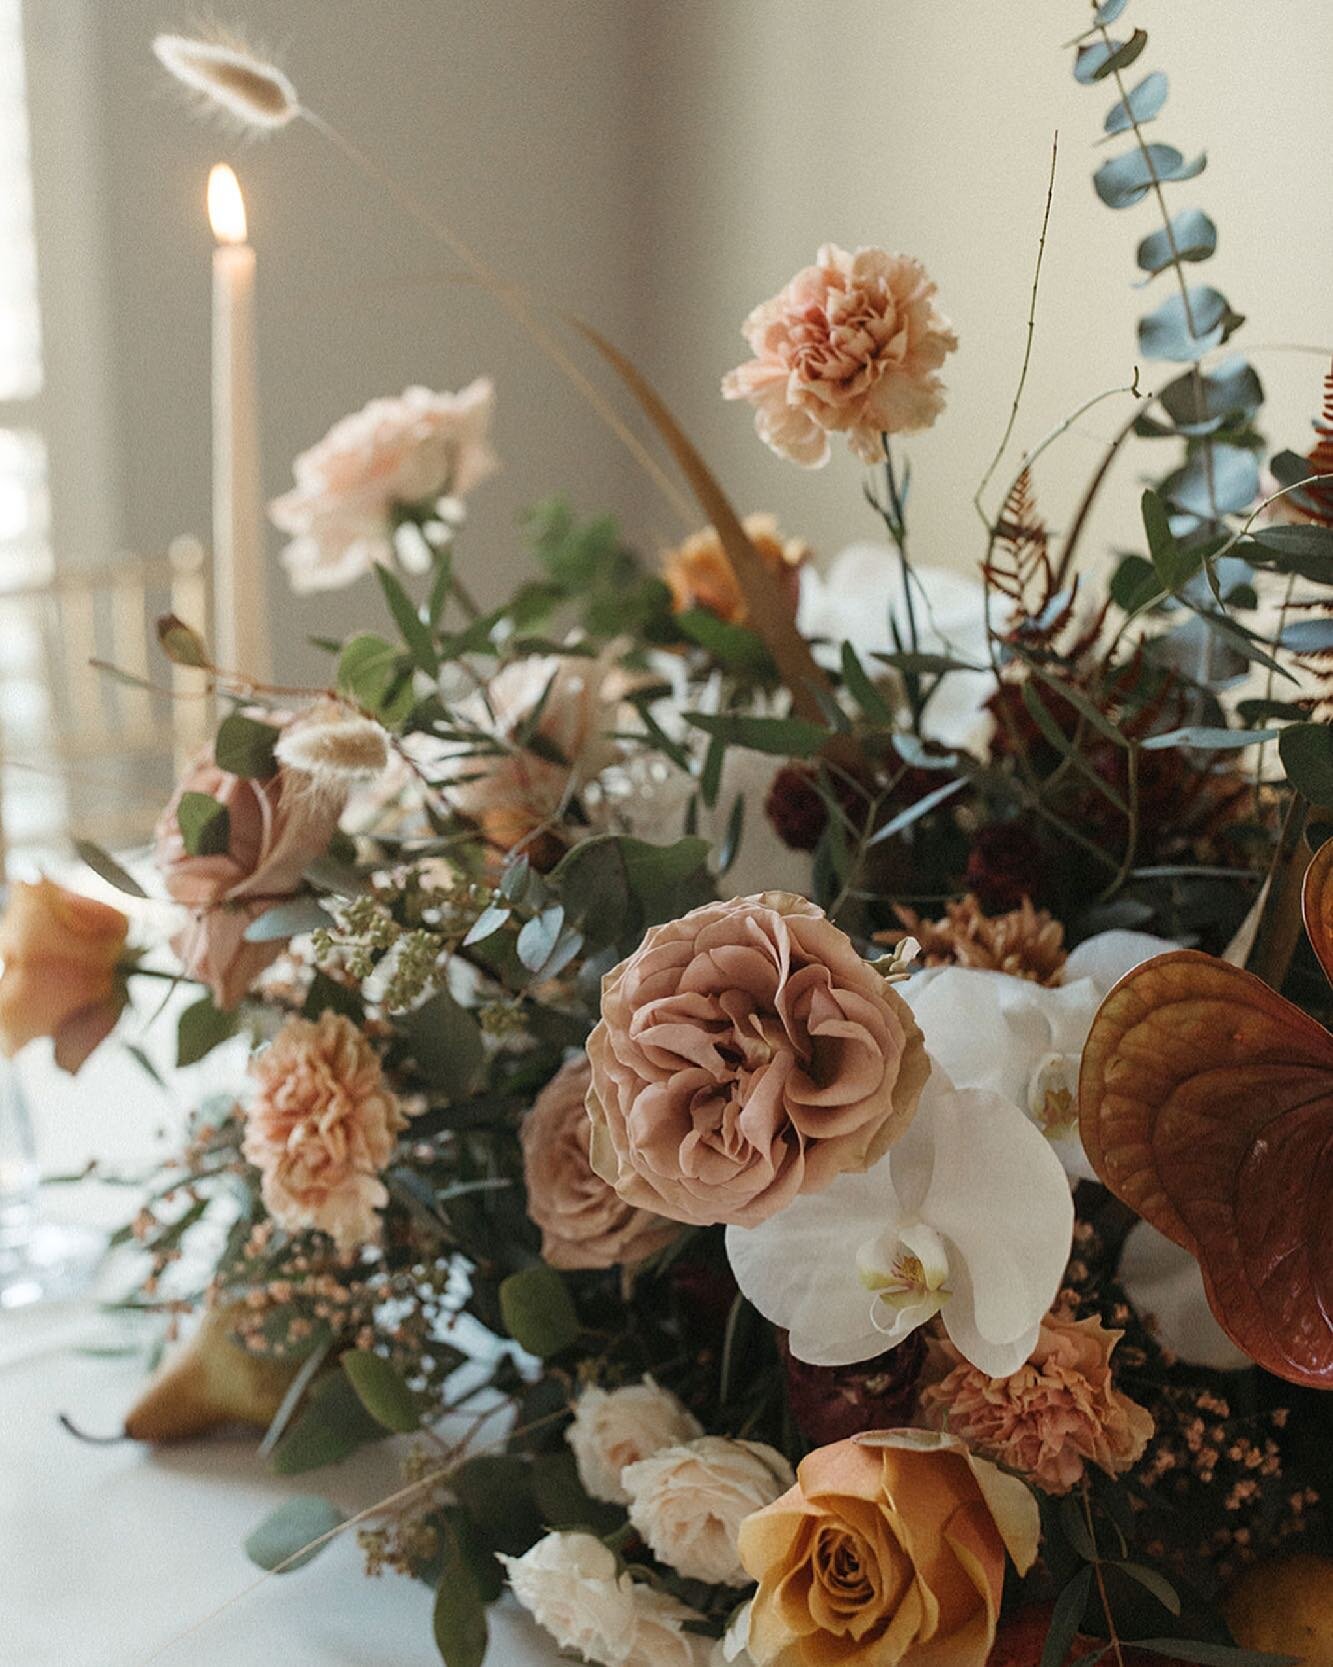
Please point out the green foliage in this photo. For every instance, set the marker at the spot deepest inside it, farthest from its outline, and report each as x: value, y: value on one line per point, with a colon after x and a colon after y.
x: 614, y: 887
x: 780, y: 737
x: 285, y: 1540
x: 538, y: 1311
x: 244, y: 746
x: 378, y: 677
x: 200, y: 1028
x: 380, y: 1389
x: 182, y: 644
x: 1307, y: 756
x: 204, y: 823
x: 417, y: 634
x: 445, y: 1040
x: 332, y: 1424
x: 591, y: 578
x: 459, y: 1616
x: 105, y: 866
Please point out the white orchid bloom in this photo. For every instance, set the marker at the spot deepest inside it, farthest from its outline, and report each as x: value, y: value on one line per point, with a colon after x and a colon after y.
x: 1022, y: 1040
x: 968, y: 1216
x: 1165, y: 1285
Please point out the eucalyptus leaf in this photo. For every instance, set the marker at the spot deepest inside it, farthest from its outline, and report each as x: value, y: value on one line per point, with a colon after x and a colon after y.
x: 332, y: 1424
x: 1216, y: 480
x: 378, y: 676
x: 288, y: 920
x: 538, y: 1311
x: 244, y: 747
x: 1207, y: 738
x: 1127, y: 179
x: 1144, y: 102
x: 538, y: 937
x: 1306, y: 751
x: 1173, y: 565
x: 1108, y: 11
x: 1166, y: 332
x: 105, y: 866
x: 1192, y: 237
x: 488, y: 922
x: 380, y: 1389
x: 200, y: 1029
x: 182, y: 644
x: 1098, y: 59
x: 1200, y: 404
x: 1135, y: 584
x: 1308, y: 636
x: 285, y: 1540
x: 780, y: 737
x: 446, y: 1041
x: 204, y: 823
x: 459, y: 1616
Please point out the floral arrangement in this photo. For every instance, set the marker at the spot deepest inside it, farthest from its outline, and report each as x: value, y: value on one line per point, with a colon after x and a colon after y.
x: 831, y: 1069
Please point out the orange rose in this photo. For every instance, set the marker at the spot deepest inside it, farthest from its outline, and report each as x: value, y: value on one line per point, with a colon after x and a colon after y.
x: 700, y: 575
x: 60, y: 953
x: 890, y: 1548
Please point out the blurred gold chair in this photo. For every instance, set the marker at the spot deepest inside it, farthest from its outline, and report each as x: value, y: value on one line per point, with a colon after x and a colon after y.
x: 83, y: 752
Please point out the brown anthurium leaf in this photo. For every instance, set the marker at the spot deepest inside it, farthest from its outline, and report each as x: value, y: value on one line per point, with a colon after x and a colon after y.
x: 1206, y: 1104
x: 1317, y: 905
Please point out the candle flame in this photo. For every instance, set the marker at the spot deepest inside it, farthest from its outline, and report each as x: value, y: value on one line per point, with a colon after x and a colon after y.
x: 226, y: 205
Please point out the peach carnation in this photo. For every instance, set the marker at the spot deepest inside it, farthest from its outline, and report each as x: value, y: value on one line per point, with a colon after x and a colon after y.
x: 852, y: 345
x: 393, y: 453
x: 584, y: 1222
x: 321, y: 1127
x: 1054, y: 1415
x: 700, y: 574
x: 746, y: 1053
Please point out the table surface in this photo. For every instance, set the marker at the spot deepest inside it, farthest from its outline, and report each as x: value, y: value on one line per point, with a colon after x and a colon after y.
x: 117, y: 1556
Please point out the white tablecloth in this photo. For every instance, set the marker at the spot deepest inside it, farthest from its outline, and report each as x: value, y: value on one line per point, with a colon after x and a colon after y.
x: 120, y: 1555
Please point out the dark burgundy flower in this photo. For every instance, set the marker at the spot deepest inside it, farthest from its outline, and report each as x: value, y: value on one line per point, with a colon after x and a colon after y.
x: 1004, y: 866
x: 831, y: 1403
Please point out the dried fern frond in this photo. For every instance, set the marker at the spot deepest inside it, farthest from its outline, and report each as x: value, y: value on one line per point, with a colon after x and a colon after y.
x: 1315, y: 503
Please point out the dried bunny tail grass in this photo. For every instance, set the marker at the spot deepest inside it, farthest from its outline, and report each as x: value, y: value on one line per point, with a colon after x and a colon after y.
x: 231, y: 79
x: 334, y: 747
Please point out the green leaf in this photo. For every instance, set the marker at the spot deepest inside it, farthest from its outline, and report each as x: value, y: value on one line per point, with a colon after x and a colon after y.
x: 205, y: 824
x: 1199, y: 404
x: 288, y: 920
x: 327, y: 995
x: 710, y: 777
x: 1083, y: 706
x: 1263, y: 711
x: 734, y: 647
x: 459, y: 1616
x: 1307, y: 757
x: 564, y: 1502
x: 1099, y: 59
x: 1135, y: 585
x: 446, y: 1041
x: 182, y: 644
x: 332, y: 1424
x: 1216, y: 480
x: 1108, y: 11
x: 538, y: 1311
x: 780, y: 737
x: 1143, y: 103
x: 1307, y: 550
x: 1308, y: 636
x: 1165, y: 333
x: 1056, y: 738
x: 1127, y: 179
x: 481, y: 1563
x: 1174, y: 566
x: 244, y: 747
x: 200, y: 1028
x: 1160, y: 1587
x: 378, y: 676
x: 538, y: 937
x: 380, y: 1389
x: 416, y: 633
x: 905, y: 661
x: 285, y: 1539
x: 914, y: 812
x: 105, y: 866
x: 1211, y: 1655
x: 440, y: 586
x: 862, y: 690
x: 1208, y: 739
x: 613, y: 886
x: 731, y: 839
x: 1193, y: 237
x: 1065, y: 1617
x: 489, y: 921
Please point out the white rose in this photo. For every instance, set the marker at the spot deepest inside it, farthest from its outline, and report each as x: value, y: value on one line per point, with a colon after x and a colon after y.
x: 615, y: 1428
x: 569, y: 1584
x: 660, y: 1639
x: 688, y: 1502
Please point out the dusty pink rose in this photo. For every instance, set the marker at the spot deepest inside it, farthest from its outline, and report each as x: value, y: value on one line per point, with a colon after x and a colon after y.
x: 406, y: 451
x: 321, y: 1127
x: 1054, y: 1415
x: 59, y: 971
x: 853, y: 345
x: 584, y: 1222
x: 276, y: 826
x: 746, y: 1053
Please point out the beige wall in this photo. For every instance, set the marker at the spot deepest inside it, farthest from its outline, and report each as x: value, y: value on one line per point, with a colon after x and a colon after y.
x: 661, y: 165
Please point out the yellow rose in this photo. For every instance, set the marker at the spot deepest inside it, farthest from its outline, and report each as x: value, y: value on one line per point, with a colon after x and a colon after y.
x: 889, y: 1549
x: 59, y: 953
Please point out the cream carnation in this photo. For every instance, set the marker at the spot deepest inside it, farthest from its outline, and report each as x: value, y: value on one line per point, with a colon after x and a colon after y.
x: 393, y: 453
x: 568, y: 1583
x: 618, y: 1427
x: 584, y: 1222
x: 688, y: 1502
x: 321, y: 1127
x: 746, y: 1053
x: 852, y: 345
x: 1051, y: 1418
